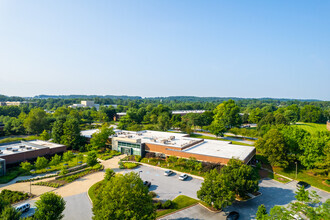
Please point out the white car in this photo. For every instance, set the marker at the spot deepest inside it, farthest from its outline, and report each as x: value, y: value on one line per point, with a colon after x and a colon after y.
x: 23, y: 208
x: 168, y: 173
x: 183, y: 176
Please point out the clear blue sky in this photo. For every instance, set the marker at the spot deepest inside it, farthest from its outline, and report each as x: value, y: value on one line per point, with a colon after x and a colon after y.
x: 166, y: 48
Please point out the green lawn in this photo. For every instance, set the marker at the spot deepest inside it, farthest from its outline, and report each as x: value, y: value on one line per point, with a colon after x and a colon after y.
x: 93, y: 190
x: 180, y: 203
x: 12, y: 139
x: 278, y: 178
x: 311, y: 127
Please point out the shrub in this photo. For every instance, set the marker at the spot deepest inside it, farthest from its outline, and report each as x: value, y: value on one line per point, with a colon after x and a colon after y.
x: 152, y: 194
x: 159, y: 205
x: 167, y: 204
x: 49, y: 184
x: 327, y: 182
x: 13, y: 196
x: 130, y: 165
x: 137, y: 158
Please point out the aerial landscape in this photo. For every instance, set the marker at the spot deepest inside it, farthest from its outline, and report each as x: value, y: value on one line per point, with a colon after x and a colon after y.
x: 144, y: 110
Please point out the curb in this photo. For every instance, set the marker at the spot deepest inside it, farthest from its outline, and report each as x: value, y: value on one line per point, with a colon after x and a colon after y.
x: 148, y: 165
x: 218, y: 211
x: 176, y: 211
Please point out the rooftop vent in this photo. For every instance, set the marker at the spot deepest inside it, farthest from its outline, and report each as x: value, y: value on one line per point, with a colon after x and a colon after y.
x: 172, y: 137
x: 28, y: 148
x: 9, y: 148
x: 14, y: 150
x: 22, y: 146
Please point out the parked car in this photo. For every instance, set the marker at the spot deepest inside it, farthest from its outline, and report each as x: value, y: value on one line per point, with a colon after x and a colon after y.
x: 23, y: 208
x: 302, y: 183
x: 183, y: 176
x: 168, y: 173
x: 147, y: 183
x: 233, y: 215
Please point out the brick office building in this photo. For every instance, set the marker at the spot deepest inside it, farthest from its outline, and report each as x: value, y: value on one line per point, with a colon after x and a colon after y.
x: 173, y: 144
x: 19, y: 151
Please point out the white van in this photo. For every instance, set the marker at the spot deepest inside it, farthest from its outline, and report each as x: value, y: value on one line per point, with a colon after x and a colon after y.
x: 23, y: 208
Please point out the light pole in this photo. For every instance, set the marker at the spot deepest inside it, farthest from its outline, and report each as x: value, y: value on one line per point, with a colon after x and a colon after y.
x: 296, y: 169
x: 30, y: 188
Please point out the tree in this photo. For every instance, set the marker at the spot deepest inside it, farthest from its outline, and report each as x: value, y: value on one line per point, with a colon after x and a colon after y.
x: 302, y: 195
x: 215, y: 192
x: 26, y: 166
x: 56, y: 159
x: 36, y: 121
x: 217, y: 128
x: 280, y: 119
x: 101, y: 137
x: 109, y: 173
x: 49, y: 207
x: 261, y: 213
x: 71, y: 133
x: 255, y: 115
x: 227, y: 114
x: 164, y: 121
x: 272, y: 145
x: 10, y: 213
x: 68, y: 156
x: 80, y: 156
x: 3, y: 204
x: 123, y: 197
x: 239, y: 178
x: 44, y: 136
x: 279, y: 212
x: 311, y: 113
x: 41, y: 163
x: 57, y: 131
x: 91, y: 158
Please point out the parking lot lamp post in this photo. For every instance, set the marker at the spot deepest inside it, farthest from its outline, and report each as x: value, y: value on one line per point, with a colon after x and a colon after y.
x: 30, y: 187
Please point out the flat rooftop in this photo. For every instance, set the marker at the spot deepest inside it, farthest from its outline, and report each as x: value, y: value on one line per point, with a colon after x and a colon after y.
x: 177, y: 140
x: 25, y: 146
x: 221, y: 149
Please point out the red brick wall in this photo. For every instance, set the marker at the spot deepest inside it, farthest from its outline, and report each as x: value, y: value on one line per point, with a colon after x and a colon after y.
x: 19, y: 157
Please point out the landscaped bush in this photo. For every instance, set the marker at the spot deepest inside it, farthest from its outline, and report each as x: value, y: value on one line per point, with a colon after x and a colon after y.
x: 129, y: 165
x: 50, y: 184
x: 327, y: 182
x: 38, y: 178
x: 159, y: 205
x: 13, y: 196
x: 108, y: 154
x: 152, y: 194
x: 168, y: 204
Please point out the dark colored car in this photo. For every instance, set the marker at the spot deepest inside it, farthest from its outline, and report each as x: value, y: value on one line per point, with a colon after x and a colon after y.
x: 233, y: 215
x: 302, y: 183
x: 147, y: 183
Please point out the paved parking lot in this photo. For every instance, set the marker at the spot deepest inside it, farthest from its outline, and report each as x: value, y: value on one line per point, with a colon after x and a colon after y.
x: 168, y: 187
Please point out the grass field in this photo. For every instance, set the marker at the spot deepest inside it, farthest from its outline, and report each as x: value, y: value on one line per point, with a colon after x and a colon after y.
x: 180, y: 203
x: 312, y: 128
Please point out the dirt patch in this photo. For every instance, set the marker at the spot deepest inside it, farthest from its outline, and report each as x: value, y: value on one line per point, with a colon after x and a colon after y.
x: 325, y: 183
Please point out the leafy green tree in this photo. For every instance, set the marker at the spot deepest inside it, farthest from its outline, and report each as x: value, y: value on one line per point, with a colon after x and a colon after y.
x: 255, y: 115
x: 215, y: 192
x: 239, y: 178
x: 109, y: 173
x: 164, y: 121
x: 124, y: 197
x: 45, y: 136
x: 26, y: 166
x: 80, y: 156
x: 3, y: 203
x: 68, y: 156
x: 49, y: 207
x: 10, y: 213
x: 311, y: 113
x: 101, y: 137
x: 41, y: 163
x: 261, y: 213
x: 91, y: 158
x: 217, y: 128
x: 273, y: 146
x: 57, y: 131
x: 71, y: 133
x: 280, y: 119
x: 56, y: 159
x: 279, y: 212
x: 302, y: 195
x: 36, y: 121
x: 227, y: 114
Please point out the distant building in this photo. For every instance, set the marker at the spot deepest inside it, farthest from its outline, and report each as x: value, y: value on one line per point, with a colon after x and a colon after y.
x: 184, y: 112
x: 19, y: 151
x: 119, y: 115
x: 328, y: 125
x: 15, y: 103
x: 85, y: 104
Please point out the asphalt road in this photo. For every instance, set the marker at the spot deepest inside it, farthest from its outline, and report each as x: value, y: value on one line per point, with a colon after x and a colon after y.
x: 168, y: 187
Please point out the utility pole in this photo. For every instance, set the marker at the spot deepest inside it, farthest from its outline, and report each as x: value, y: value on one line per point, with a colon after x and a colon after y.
x: 30, y: 188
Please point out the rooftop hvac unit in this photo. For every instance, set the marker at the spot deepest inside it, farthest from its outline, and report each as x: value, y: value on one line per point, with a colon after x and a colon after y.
x: 172, y: 137
x: 229, y: 142
x: 1, y: 152
x: 22, y: 146
x: 9, y: 148
x: 28, y: 148
x: 14, y: 150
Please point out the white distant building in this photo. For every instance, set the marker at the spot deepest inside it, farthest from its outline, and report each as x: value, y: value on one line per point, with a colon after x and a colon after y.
x: 85, y: 104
